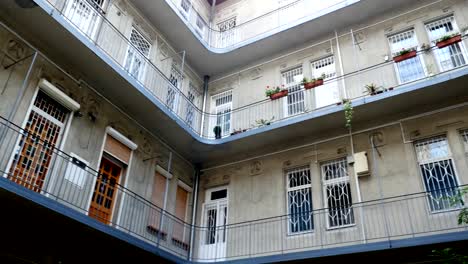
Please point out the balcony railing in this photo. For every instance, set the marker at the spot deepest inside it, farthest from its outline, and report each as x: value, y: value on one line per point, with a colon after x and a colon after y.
x: 388, y: 75
x: 68, y: 181
x: 231, y: 33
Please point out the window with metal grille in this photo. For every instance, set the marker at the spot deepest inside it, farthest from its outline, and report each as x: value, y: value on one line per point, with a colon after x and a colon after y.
x: 185, y: 6
x: 337, y: 191
x: 438, y: 172
x: 137, y: 54
x: 410, y: 69
x: 452, y: 56
x: 85, y: 15
x: 299, y: 197
x: 172, y: 96
x: 291, y: 80
x: 327, y: 94
x: 193, y: 96
x: 227, y: 32
x: 222, y: 104
x: 464, y: 135
x: 200, y: 25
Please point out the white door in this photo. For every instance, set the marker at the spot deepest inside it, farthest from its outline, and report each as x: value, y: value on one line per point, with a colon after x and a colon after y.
x: 85, y: 15
x: 221, y: 107
x: 452, y: 56
x: 327, y: 94
x: 214, y: 233
x: 136, y: 56
x: 172, y: 97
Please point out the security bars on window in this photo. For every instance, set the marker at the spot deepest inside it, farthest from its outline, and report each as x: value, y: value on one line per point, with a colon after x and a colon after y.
x: 192, y: 96
x: 438, y: 172
x: 452, y: 56
x: 227, y: 34
x: 299, y: 195
x: 172, y: 93
x: 291, y: 80
x: 337, y: 193
x: 136, y: 54
x: 185, y: 5
x: 411, y: 69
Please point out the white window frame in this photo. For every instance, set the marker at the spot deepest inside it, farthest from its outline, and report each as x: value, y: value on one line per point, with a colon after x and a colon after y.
x: 71, y: 12
x: 174, y: 89
x: 222, y: 107
x: 328, y: 67
x: 464, y: 137
x: 424, y: 158
x: 137, y: 53
x: 192, y: 105
x: 200, y: 26
x: 414, y: 44
x: 227, y: 32
x: 434, y: 37
x: 300, y: 187
x: 296, y: 92
x: 185, y: 13
x: 337, y: 180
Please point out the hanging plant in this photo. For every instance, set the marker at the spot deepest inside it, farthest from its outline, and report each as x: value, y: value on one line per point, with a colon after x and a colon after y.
x: 348, y: 111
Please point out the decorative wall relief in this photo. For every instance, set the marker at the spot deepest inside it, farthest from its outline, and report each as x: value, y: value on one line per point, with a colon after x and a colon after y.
x: 256, y: 168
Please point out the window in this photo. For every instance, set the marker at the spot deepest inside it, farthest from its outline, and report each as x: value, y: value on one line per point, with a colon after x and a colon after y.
x: 227, y: 34
x: 337, y: 191
x: 193, y: 96
x: 185, y: 6
x: 453, y: 55
x: 464, y: 135
x: 291, y: 80
x: 411, y: 69
x: 437, y: 171
x: 172, y: 91
x: 85, y: 15
x: 157, y: 198
x: 222, y: 104
x: 179, y: 235
x: 299, y: 196
x: 328, y: 93
x: 200, y: 29
x: 136, y: 55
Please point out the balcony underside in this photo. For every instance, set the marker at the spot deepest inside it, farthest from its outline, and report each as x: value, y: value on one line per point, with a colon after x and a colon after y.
x: 69, y: 48
x: 218, y: 61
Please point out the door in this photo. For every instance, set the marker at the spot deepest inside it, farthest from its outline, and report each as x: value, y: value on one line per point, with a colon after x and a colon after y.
x: 452, y: 56
x: 172, y: 97
x: 291, y: 80
x: 35, y: 149
x: 327, y: 94
x: 221, y: 106
x: 85, y: 15
x: 214, y: 232
x: 137, y: 54
x: 105, y: 189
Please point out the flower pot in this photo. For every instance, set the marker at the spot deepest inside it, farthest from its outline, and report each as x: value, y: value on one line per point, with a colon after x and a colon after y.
x: 279, y: 95
x: 406, y: 56
x: 314, y: 84
x: 448, y: 42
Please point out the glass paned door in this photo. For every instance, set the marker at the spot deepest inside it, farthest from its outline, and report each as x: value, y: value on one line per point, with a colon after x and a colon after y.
x: 227, y: 34
x: 410, y: 69
x: 214, y: 232
x: 291, y: 80
x: 327, y: 94
x: 452, y: 56
x: 85, y: 15
x: 172, y: 97
x: 222, y: 105
x: 137, y: 54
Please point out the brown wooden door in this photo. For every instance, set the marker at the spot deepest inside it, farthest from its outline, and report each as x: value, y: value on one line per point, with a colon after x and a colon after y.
x: 105, y: 191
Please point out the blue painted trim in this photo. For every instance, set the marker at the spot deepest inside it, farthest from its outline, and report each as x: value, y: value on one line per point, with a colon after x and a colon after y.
x: 314, y: 114
x: 84, y: 219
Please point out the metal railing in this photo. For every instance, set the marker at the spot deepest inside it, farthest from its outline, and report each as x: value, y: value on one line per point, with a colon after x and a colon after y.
x: 33, y: 161
x: 67, y: 180
x: 350, y: 85
x: 231, y: 33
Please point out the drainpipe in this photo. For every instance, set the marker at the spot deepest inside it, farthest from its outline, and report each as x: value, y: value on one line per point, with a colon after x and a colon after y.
x: 194, y: 211
x: 358, y: 189
x: 338, y: 50
x: 206, y: 80
x: 213, y: 6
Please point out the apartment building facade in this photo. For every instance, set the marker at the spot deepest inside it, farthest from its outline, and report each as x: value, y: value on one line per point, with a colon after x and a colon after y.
x: 110, y: 110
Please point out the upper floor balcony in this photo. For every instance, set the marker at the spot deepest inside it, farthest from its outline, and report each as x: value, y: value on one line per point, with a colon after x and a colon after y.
x: 361, y: 66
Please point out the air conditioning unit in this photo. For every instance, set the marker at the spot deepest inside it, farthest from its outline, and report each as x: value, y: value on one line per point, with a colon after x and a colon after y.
x: 361, y: 165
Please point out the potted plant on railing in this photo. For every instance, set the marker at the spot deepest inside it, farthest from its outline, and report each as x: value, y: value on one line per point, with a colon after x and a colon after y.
x: 217, y: 131
x: 309, y: 84
x: 448, y: 40
x: 238, y: 131
x: 276, y: 93
x: 405, y: 54
x: 373, y: 89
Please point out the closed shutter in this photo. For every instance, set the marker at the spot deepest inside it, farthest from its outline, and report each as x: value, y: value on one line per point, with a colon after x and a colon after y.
x: 117, y: 149
x: 180, y: 211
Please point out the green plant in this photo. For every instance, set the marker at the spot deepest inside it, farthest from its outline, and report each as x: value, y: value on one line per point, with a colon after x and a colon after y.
x: 372, y: 88
x: 275, y: 90
x: 263, y: 122
x: 405, y: 51
x: 447, y: 37
x: 425, y: 47
x: 322, y: 76
x: 348, y: 111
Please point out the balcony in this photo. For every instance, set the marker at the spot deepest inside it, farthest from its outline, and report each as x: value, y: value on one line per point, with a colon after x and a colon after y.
x: 396, y: 222
x: 115, y: 65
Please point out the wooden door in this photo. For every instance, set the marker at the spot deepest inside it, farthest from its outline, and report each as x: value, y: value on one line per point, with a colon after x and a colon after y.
x: 105, y: 191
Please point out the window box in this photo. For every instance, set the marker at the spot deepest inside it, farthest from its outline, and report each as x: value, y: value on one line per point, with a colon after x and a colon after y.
x: 178, y: 243
x: 444, y: 43
x: 279, y: 95
x: 310, y: 85
x: 406, y: 56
